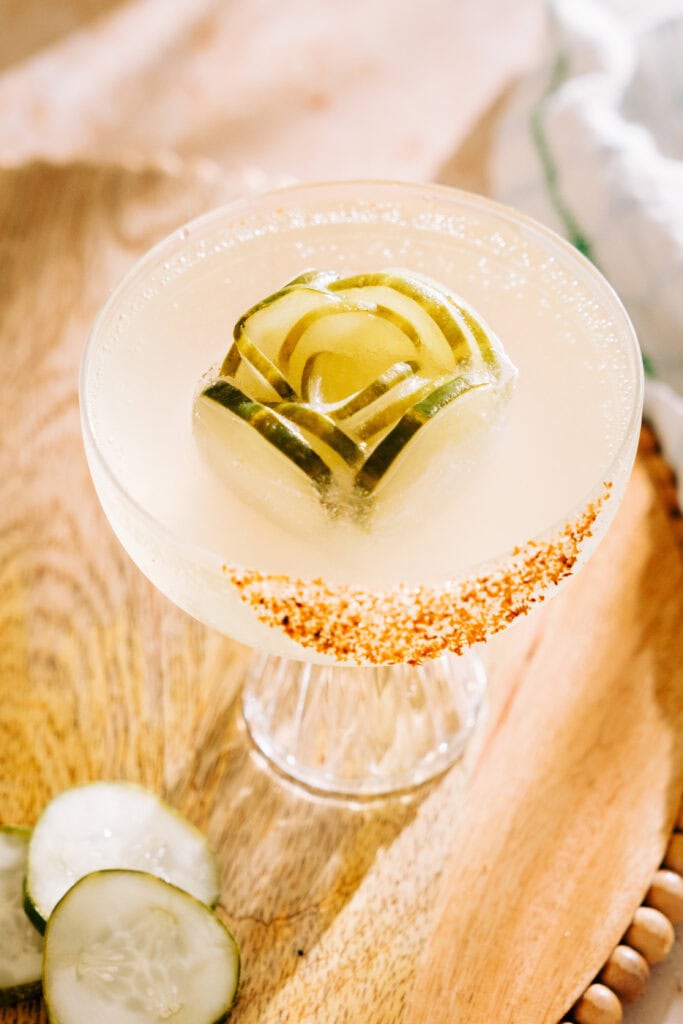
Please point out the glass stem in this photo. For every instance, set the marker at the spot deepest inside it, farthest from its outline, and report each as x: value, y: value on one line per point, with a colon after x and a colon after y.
x: 362, y: 731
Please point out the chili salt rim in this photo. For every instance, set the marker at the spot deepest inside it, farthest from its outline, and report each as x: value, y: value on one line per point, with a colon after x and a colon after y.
x: 412, y: 624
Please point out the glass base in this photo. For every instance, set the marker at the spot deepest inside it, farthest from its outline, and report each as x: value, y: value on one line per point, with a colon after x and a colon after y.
x: 362, y: 731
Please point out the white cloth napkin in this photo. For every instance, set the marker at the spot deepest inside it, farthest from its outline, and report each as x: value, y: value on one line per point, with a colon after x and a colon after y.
x: 591, y: 143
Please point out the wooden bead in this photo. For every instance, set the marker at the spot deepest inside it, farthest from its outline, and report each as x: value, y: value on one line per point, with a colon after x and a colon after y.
x: 626, y: 973
x: 666, y: 894
x: 651, y: 933
x: 598, y: 1005
x: 674, y: 853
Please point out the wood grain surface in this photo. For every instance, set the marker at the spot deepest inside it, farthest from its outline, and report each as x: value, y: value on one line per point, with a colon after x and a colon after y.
x: 523, y: 867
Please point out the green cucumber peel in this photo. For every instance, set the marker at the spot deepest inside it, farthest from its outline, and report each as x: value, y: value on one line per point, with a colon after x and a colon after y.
x: 306, y: 322
x: 383, y: 419
x: 128, y: 946
x: 273, y: 428
x: 264, y: 366
x: 426, y: 296
x: 324, y: 428
x: 31, y: 910
x: 383, y: 384
x: 390, y: 447
x: 113, y: 825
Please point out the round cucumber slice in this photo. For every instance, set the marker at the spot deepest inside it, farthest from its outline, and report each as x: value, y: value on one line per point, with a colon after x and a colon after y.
x: 113, y: 825
x: 464, y: 322
x: 268, y: 321
x: 231, y: 363
x: 471, y: 340
x: 381, y: 386
x: 263, y: 366
x: 321, y: 430
x: 377, y: 465
x: 372, y: 426
x: 125, y: 947
x: 436, y: 356
x: 21, y: 947
x: 272, y: 427
x: 359, y: 343
x: 424, y: 293
x: 262, y: 473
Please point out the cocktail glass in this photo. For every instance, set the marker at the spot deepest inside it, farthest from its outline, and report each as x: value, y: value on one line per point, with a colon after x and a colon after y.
x: 366, y: 679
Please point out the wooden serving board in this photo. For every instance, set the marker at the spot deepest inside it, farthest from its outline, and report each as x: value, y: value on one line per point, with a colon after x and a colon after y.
x: 529, y: 861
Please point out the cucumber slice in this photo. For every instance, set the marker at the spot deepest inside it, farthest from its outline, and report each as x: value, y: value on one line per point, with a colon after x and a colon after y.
x: 320, y: 429
x: 265, y: 480
x: 264, y: 367
x: 371, y: 429
x: 268, y: 321
x: 316, y: 278
x: 468, y: 336
x: 436, y: 356
x: 272, y: 427
x: 230, y: 364
x: 480, y: 336
x: 377, y: 465
x: 21, y: 947
x: 359, y: 342
x: 426, y: 294
x: 364, y: 398
x: 113, y: 825
x: 125, y: 947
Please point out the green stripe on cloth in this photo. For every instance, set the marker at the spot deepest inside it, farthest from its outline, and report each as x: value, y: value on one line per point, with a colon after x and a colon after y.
x: 570, y: 224
x: 551, y: 177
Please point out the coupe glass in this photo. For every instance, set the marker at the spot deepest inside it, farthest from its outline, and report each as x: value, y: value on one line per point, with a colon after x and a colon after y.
x: 323, y: 719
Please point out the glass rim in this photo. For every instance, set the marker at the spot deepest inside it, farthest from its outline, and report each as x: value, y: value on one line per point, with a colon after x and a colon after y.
x: 471, y: 200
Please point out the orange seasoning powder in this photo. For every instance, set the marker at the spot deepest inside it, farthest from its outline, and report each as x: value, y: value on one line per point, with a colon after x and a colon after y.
x: 412, y: 624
